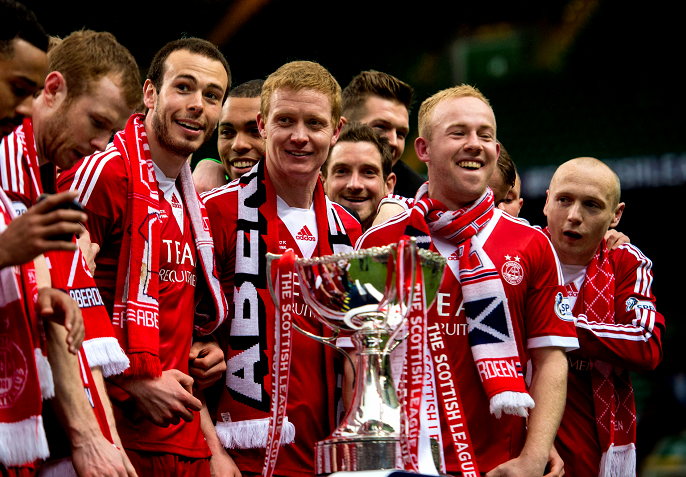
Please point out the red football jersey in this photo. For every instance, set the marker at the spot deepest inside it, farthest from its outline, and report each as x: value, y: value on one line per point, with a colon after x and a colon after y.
x: 633, y: 342
x: 531, y: 279
x: 105, y: 204
x: 308, y: 399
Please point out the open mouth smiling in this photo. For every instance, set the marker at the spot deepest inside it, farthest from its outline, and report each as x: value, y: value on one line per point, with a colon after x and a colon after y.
x: 192, y: 126
x: 471, y: 165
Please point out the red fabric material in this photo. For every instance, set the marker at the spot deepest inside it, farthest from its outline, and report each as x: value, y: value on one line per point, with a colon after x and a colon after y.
x: 311, y: 402
x: 158, y: 464
x: 632, y: 341
x: 20, y: 389
x: 531, y: 303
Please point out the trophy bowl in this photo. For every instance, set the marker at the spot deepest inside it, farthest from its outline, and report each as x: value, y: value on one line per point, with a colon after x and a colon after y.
x: 366, y: 295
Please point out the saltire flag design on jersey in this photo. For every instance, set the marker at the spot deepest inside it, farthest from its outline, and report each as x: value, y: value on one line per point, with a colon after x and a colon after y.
x: 489, y: 324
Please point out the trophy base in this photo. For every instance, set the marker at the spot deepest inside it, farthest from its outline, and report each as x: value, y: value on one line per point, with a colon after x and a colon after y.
x: 352, y: 454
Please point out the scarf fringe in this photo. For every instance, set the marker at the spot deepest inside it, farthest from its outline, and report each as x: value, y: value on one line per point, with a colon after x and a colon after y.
x: 58, y: 468
x: 509, y: 402
x: 44, y: 371
x: 143, y: 365
x: 23, y: 442
x: 106, y: 353
x: 618, y: 461
x: 251, y: 434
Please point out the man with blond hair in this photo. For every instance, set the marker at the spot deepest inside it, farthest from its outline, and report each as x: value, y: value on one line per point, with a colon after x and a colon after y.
x: 501, y: 297
x: 618, y: 327
x: 279, y: 205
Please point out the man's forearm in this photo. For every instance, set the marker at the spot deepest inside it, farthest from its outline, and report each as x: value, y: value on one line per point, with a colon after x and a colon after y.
x: 71, y: 404
x: 549, y: 392
x: 99, y: 382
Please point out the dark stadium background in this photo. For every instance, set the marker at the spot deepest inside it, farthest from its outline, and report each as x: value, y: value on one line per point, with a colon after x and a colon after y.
x: 566, y: 78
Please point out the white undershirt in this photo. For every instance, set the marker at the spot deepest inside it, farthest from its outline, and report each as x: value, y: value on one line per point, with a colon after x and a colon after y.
x: 573, y: 274
x: 171, y: 194
x: 301, y: 223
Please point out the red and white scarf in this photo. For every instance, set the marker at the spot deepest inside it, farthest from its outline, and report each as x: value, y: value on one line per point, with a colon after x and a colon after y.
x: 136, y: 306
x: 252, y: 397
x: 22, y: 437
x: 490, y: 330
x: 613, y: 394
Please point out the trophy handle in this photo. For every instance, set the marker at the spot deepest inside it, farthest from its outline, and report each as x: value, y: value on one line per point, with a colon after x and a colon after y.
x: 330, y: 343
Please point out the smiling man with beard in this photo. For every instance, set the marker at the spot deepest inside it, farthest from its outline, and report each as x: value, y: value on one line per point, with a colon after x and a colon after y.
x: 357, y: 174
x: 155, y: 253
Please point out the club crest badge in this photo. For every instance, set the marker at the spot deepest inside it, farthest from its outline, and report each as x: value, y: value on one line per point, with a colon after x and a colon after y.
x: 512, y: 271
x: 13, y: 372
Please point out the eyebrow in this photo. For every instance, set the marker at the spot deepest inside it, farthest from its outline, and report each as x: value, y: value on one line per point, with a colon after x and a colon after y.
x: 195, y: 81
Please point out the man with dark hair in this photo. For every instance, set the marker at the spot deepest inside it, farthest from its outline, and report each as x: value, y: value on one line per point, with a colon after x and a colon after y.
x: 279, y: 205
x: 23, y: 63
x: 357, y: 172
x: 618, y: 326
x: 240, y: 145
x: 383, y: 102
x: 155, y: 250
x: 503, y: 178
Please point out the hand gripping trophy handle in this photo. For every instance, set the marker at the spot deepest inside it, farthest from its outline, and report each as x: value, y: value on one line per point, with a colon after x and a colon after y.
x: 367, y: 295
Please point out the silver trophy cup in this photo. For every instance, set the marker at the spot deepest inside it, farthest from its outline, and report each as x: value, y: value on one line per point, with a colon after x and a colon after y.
x: 366, y: 295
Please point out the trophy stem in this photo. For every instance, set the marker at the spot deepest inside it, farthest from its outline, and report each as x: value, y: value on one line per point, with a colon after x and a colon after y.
x: 368, y: 437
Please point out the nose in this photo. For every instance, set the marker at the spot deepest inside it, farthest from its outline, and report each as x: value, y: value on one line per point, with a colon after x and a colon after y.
x: 99, y: 142
x: 25, y: 107
x: 240, y: 143
x: 299, y: 134
x: 195, y: 102
x: 473, y: 143
x: 354, y: 183
x: 574, y: 213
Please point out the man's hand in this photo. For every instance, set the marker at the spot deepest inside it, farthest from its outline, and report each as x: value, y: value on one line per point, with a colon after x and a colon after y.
x: 97, y: 457
x: 222, y: 465
x: 615, y: 238
x: 164, y: 400
x: 519, y: 467
x: 206, y: 363
x: 57, y: 306
x: 28, y: 236
x: 208, y: 175
x: 555, y: 464
x: 89, y: 249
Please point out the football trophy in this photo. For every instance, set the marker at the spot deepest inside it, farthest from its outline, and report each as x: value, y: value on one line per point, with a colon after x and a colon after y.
x: 368, y: 295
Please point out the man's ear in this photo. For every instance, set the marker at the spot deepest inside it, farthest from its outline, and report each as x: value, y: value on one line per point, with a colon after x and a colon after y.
x: 337, y: 132
x: 344, y: 120
x: 545, y: 207
x: 618, y: 215
x: 421, y: 147
x: 149, y: 94
x: 55, y: 90
x: 390, y: 183
x: 260, y: 126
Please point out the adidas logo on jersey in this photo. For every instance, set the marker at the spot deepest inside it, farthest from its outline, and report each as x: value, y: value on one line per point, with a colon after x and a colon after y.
x: 305, y: 234
x: 454, y: 256
x: 175, y: 202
